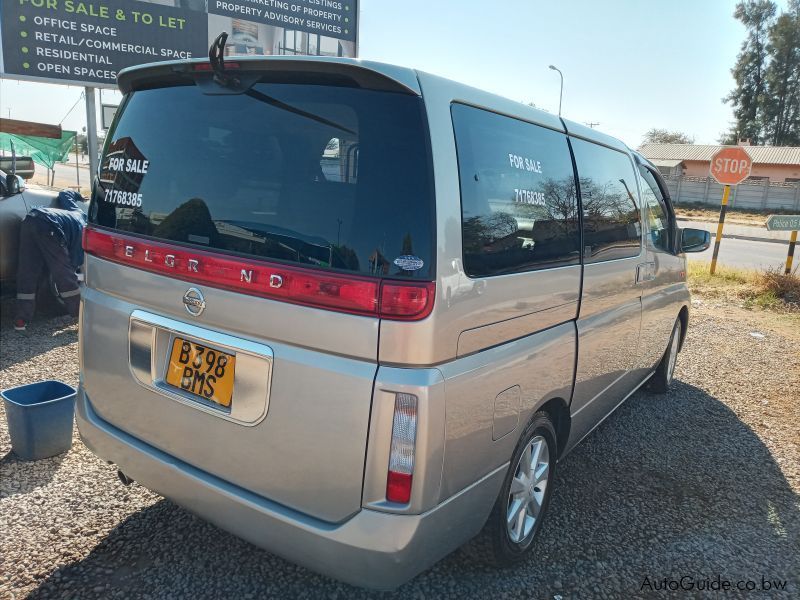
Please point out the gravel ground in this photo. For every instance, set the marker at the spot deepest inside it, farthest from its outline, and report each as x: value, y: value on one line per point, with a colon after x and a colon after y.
x: 702, y: 482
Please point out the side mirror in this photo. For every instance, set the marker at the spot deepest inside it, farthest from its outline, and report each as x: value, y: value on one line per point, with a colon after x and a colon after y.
x: 12, y: 184
x: 695, y: 240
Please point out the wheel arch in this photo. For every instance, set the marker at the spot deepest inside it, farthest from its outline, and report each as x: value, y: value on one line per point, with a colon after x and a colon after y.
x: 683, y: 315
x: 558, y: 411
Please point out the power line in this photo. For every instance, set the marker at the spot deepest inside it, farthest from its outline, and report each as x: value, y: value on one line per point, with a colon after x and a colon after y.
x: 73, y: 108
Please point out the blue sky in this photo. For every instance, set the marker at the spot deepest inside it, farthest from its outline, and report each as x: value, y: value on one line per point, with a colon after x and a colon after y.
x: 628, y: 64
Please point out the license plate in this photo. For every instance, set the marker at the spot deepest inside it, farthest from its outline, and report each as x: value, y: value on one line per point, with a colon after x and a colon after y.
x: 201, y: 371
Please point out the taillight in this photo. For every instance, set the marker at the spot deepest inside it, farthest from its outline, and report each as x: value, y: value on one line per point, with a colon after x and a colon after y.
x: 406, y: 301
x: 401, y: 456
x: 346, y: 293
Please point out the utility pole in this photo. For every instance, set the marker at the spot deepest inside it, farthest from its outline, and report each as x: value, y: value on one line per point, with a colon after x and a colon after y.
x: 77, y: 167
x: 91, y: 133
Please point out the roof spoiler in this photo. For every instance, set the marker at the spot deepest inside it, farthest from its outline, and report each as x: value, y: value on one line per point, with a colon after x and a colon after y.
x: 364, y: 74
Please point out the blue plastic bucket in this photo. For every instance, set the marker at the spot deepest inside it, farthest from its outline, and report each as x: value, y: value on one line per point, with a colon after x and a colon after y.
x: 39, y: 418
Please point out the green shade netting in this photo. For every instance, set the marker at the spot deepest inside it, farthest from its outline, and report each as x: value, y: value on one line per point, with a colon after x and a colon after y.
x: 45, y: 151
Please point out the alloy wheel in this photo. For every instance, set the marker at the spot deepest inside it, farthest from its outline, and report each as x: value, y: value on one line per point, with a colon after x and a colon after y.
x: 528, y: 486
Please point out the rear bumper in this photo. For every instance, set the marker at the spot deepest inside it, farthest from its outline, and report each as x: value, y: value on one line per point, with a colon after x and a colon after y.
x: 371, y: 549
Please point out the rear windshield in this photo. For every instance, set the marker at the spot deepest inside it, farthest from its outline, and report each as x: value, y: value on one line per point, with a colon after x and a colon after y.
x: 331, y: 177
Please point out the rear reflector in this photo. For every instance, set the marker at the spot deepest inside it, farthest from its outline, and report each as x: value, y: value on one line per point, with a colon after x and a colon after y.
x: 398, y: 487
x: 346, y: 293
x: 401, y: 456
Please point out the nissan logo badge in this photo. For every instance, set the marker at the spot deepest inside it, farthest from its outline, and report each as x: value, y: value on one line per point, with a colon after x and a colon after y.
x: 194, y: 302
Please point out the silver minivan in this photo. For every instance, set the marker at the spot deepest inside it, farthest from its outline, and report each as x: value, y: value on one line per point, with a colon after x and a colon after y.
x: 356, y: 313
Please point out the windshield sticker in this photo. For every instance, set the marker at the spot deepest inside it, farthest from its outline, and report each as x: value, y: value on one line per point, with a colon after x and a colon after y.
x: 409, y: 263
x: 523, y: 163
x: 122, y: 172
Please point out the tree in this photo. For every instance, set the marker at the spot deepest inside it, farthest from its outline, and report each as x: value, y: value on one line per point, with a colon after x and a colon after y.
x: 662, y: 136
x: 749, y: 95
x: 782, y: 77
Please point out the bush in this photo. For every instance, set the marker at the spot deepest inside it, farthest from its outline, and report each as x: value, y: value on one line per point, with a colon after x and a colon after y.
x: 769, y: 289
x: 783, y: 287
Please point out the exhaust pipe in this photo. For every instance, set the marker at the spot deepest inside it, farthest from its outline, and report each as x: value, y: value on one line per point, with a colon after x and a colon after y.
x: 124, y: 478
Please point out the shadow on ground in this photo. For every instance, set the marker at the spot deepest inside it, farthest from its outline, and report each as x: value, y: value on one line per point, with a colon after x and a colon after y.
x: 668, y: 486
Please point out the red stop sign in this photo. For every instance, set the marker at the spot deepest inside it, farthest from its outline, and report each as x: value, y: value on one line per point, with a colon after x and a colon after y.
x: 730, y: 166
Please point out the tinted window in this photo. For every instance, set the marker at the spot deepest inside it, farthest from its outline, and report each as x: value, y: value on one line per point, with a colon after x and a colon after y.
x: 653, y: 203
x: 518, y: 199
x: 332, y: 177
x: 612, y: 228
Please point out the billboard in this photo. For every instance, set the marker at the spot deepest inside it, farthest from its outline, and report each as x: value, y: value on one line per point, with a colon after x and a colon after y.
x: 87, y: 42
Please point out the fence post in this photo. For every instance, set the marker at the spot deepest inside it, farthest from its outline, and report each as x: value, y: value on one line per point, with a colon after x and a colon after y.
x: 765, y: 195
x: 678, y: 193
x: 797, y: 196
x: 705, y: 191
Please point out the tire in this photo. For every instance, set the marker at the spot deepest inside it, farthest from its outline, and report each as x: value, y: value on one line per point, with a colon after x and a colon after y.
x: 497, y: 544
x: 661, y: 380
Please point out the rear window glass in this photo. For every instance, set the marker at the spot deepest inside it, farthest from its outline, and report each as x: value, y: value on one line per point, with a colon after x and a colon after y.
x: 518, y: 199
x: 331, y: 177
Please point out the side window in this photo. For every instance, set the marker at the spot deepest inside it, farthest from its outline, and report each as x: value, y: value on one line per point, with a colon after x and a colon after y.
x: 518, y: 199
x: 611, y: 225
x: 655, y: 209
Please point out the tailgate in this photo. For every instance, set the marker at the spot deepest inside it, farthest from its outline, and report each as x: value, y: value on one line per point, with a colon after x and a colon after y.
x: 270, y: 222
x: 298, y: 420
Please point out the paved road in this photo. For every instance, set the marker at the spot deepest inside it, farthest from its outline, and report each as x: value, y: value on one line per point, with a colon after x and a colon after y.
x: 65, y: 175
x: 736, y: 230
x: 748, y: 254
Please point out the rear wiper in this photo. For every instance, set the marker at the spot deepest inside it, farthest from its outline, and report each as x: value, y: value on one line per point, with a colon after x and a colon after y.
x: 261, y: 97
x: 216, y: 56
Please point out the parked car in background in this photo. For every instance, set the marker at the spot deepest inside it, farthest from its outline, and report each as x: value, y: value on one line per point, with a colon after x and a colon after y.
x: 356, y: 313
x: 15, y: 202
x: 19, y: 165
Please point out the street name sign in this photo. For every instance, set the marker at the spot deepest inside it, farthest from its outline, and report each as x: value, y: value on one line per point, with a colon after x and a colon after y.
x: 783, y: 222
x: 731, y: 166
